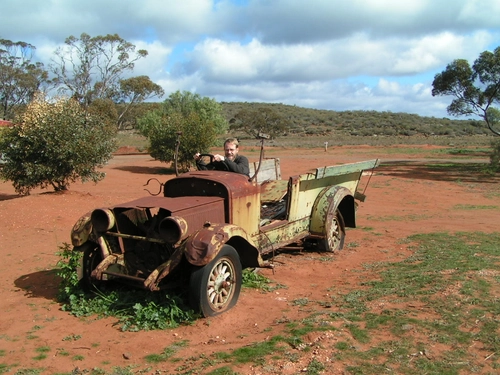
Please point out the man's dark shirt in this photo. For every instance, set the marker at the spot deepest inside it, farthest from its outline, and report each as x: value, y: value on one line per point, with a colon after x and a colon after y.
x: 239, y: 165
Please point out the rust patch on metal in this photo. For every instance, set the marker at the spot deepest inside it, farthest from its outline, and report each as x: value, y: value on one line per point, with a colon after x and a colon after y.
x: 204, y: 245
x: 97, y: 273
x: 154, y: 279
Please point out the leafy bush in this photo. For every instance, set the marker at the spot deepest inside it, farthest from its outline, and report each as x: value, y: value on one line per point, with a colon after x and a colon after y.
x: 200, y: 120
x: 54, y: 144
x: 67, y: 271
x: 197, y: 136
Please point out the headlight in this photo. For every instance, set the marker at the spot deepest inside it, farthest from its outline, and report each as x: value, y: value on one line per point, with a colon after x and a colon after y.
x: 102, y: 220
x: 173, y: 229
x: 81, y: 230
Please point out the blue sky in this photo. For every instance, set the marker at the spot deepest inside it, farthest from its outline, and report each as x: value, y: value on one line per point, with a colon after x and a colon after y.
x: 377, y: 55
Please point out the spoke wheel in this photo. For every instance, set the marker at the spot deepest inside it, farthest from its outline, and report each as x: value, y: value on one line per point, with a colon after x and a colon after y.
x: 334, y: 232
x: 215, y: 288
x: 91, y: 258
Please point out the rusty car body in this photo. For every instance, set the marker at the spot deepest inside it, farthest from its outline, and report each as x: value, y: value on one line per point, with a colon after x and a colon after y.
x: 209, y: 225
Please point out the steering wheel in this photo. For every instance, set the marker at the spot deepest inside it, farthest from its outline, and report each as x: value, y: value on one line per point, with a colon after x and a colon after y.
x: 221, y: 166
x: 210, y: 156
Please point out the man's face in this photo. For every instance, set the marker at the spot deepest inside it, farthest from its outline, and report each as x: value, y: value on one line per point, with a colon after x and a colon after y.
x: 231, y: 151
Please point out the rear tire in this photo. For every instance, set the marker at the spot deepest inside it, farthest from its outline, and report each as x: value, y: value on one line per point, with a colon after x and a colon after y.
x: 334, y: 233
x: 215, y: 287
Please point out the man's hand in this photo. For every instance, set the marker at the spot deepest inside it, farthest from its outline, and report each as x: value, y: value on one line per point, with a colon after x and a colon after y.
x: 218, y: 157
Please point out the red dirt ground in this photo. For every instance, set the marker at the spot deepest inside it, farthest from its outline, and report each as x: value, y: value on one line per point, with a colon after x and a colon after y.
x: 403, y: 199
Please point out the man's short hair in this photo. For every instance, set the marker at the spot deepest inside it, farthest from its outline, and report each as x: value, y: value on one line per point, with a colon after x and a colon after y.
x: 234, y: 141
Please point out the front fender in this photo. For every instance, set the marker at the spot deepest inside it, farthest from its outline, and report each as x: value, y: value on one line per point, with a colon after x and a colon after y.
x: 328, y: 201
x: 204, y: 245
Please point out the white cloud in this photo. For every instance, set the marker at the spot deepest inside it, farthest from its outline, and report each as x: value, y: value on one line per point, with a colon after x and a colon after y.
x: 154, y: 64
x: 377, y: 54
x: 234, y: 62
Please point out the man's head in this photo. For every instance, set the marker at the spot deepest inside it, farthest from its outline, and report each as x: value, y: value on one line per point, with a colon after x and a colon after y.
x: 231, y: 148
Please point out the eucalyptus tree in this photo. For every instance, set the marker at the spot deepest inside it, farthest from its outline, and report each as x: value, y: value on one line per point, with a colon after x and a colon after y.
x: 20, y: 76
x: 91, y: 68
x: 257, y: 121
x: 136, y: 90
x: 476, y: 88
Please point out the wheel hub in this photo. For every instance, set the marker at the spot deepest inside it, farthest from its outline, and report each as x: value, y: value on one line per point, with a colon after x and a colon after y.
x: 220, y: 284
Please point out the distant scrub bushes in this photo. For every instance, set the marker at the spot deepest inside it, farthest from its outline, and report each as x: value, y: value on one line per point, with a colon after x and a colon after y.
x: 309, y: 121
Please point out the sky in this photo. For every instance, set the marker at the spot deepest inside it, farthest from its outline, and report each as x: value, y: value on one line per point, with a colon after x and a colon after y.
x: 379, y: 55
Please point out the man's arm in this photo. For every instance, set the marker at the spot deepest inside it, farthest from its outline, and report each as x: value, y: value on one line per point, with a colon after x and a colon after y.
x: 201, y: 166
x: 239, y: 165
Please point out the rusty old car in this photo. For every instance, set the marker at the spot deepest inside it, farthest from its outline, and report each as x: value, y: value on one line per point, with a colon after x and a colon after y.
x: 206, y: 226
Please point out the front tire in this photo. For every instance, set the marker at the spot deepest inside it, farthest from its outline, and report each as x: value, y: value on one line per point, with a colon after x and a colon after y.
x: 92, y: 256
x: 215, y: 287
